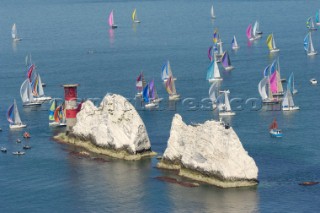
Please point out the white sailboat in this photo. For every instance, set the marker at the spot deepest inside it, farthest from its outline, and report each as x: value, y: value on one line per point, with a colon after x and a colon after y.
x: 14, y: 33
x: 213, y: 94
x: 212, y: 14
x: 166, y: 72
x: 290, y: 85
x: 213, y: 73
x: 26, y: 94
x: 265, y: 91
x: 135, y: 17
x: 272, y: 44
x: 224, y: 104
x: 308, y: 45
x: 234, y: 43
x: 287, y: 103
x: 256, y: 28
x: 14, y: 118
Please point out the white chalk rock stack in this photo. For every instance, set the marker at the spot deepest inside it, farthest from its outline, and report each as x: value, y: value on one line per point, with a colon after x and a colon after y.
x: 210, y: 153
x: 114, y: 126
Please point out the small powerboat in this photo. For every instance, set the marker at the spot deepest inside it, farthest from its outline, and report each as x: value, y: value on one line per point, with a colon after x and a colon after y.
x: 26, y: 147
x: 313, y: 81
x: 277, y: 133
x: 18, y: 153
x: 3, y: 149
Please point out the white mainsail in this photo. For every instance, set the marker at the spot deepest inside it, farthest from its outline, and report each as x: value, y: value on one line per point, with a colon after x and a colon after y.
x: 17, y: 119
x: 262, y: 87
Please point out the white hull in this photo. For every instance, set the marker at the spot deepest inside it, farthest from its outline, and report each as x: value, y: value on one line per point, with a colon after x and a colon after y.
x: 158, y: 100
x: 42, y: 99
x: 174, y: 97
x: 318, y: 23
x: 32, y: 104
x: 229, y: 68
x: 274, y: 50
x: 164, y: 81
x: 235, y: 48
x: 313, y: 81
x: 150, y: 105
x: 312, y: 53
x: 17, y: 126
x: 226, y: 113
x: 295, y: 91
x: 136, y: 21
x: 255, y: 38
x: 17, y: 39
x: 214, y: 79
x: 57, y: 124
x: 18, y: 153
x: 291, y: 108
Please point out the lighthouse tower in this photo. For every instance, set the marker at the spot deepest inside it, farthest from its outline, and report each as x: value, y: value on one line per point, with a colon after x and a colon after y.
x: 70, y: 97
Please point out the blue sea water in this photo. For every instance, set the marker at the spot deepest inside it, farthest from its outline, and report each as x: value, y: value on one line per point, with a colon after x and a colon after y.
x: 70, y: 42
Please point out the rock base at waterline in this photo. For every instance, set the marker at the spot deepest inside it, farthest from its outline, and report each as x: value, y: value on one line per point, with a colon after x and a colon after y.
x: 90, y: 146
x: 209, y: 179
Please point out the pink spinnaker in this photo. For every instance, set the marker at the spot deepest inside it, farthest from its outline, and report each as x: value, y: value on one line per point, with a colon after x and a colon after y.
x: 273, y: 82
x: 249, y: 31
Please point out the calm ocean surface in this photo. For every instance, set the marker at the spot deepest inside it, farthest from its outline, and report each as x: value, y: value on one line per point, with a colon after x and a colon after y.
x: 70, y: 42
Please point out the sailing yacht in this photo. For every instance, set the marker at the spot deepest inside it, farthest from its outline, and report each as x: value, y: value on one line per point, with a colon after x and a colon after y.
x: 213, y: 73
x: 166, y: 72
x: 26, y: 94
x: 38, y: 91
x: 153, y: 95
x: 146, y: 98
x: 135, y: 17
x: 275, y: 78
x: 271, y: 44
x: 308, y: 45
x: 14, y: 118
x: 14, y: 33
x: 287, y: 103
x: 318, y: 18
x: 213, y: 94
x: 251, y: 33
x: 111, y: 21
x: 226, y: 63
x: 212, y: 14
x: 224, y: 104
x: 291, y: 86
x: 256, y: 29
x: 274, y: 130
x: 140, y: 84
x: 310, y: 24
x: 171, y: 89
x: 265, y: 92
x: 57, y: 115
x: 234, y: 43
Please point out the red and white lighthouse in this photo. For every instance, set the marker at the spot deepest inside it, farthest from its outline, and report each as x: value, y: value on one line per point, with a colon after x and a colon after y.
x: 70, y: 97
